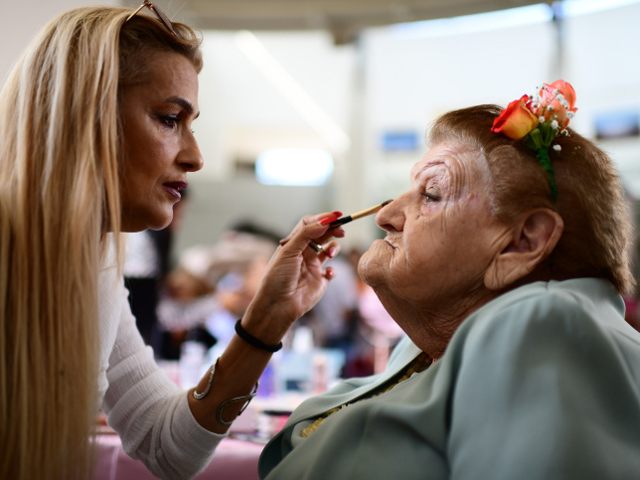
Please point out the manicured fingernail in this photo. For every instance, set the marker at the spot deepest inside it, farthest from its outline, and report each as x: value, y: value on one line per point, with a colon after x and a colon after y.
x: 333, y: 251
x: 283, y: 241
x: 328, y: 220
x: 336, y: 214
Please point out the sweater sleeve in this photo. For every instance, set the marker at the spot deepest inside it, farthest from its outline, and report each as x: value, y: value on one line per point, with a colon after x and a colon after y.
x: 149, y: 412
x: 544, y: 390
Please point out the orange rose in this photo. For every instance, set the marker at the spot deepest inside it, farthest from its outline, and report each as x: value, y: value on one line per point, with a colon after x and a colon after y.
x: 516, y: 121
x: 561, y: 102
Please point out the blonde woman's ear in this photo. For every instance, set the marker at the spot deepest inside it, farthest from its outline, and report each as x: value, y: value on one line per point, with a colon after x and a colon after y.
x: 534, y: 237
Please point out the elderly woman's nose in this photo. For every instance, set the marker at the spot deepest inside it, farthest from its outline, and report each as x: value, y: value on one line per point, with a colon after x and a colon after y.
x: 390, y: 217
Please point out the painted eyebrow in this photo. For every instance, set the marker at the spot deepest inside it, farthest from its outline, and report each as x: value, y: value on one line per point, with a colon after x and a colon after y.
x: 184, y: 104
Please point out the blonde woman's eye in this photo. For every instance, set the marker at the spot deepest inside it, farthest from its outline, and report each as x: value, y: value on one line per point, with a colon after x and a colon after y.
x: 170, y: 121
x: 193, y: 131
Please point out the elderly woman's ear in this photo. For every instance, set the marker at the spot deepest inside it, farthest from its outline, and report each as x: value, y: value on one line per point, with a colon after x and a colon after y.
x: 534, y: 236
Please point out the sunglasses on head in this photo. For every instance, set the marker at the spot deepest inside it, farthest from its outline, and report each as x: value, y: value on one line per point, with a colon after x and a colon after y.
x: 158, y: 13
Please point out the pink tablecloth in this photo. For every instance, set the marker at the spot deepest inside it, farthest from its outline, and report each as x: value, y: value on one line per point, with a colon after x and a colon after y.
x: 233, y: 460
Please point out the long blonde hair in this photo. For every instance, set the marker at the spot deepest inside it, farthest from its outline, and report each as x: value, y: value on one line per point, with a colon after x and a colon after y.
x: 59, y: 195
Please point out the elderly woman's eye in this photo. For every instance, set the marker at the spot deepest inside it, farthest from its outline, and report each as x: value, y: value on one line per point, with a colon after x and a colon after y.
x: 431, y: 197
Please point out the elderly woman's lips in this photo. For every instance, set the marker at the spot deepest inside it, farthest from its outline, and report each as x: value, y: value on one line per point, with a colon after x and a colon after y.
x: 389, y: 243
x: 174, y: 188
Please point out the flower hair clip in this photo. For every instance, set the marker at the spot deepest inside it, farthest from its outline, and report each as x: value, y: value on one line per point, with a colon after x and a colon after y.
x: 538, y: 120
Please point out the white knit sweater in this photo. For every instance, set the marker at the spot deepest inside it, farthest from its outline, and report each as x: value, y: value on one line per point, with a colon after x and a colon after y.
x: 149, y: 412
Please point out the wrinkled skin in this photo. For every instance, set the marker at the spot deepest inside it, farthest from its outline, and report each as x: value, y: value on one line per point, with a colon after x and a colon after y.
x: 158, y: 148
x: 429, y: 271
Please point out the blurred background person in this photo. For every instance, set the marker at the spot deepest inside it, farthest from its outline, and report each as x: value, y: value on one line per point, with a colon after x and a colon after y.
x: 211, y: 288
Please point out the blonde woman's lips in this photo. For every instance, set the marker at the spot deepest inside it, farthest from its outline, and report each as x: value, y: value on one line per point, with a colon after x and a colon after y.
x: 174, y: 188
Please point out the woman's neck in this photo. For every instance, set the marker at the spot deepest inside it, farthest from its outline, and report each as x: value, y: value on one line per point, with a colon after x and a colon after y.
x: 430, y: 327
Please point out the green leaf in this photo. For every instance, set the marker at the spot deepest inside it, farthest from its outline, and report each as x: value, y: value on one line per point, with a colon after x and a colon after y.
x: 529, y: 143
x: 536, y: 137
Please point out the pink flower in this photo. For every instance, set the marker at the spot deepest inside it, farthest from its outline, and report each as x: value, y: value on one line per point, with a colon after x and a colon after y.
x: 555, y: 101
x: 517, y: 120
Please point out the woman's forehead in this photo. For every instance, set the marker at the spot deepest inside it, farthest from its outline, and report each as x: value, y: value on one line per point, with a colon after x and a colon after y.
x: 459, y: 162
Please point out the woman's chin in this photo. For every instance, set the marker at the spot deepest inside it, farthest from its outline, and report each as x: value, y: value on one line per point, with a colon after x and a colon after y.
x: 159, y: 225
x: 370, y: 268
x: 139, y: 224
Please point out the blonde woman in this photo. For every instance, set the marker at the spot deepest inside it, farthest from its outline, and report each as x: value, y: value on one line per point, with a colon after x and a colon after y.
x: 95, y: 140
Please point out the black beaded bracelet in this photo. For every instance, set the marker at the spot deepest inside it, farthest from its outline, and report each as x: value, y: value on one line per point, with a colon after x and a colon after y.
x: 253, y: 341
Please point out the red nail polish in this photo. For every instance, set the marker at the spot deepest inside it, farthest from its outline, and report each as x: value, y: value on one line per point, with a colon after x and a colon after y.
x: 328, y: 220
x: 336, y: 213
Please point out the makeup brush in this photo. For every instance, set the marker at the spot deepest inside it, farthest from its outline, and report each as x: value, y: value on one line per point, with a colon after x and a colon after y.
x: 357, y: 215
x: 350, y: 218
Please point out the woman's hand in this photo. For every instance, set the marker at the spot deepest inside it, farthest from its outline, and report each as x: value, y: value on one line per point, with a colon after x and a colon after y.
x: 295, y: 278
x: 293, y: 282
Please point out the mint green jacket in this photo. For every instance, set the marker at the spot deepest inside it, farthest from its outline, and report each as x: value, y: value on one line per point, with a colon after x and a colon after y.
x: 541, y: 383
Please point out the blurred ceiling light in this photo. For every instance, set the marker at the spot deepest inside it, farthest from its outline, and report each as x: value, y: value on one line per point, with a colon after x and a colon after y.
x: 299, y: 99
x: 510, y: 18
x: 582, y: 7
x: 481, y: 22
x: 294, y: 167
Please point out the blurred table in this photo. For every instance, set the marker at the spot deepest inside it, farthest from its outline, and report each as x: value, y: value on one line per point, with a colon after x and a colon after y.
x: 233, y: 460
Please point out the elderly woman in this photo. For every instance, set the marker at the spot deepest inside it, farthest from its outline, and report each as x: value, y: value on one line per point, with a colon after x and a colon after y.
x: 518, y: 362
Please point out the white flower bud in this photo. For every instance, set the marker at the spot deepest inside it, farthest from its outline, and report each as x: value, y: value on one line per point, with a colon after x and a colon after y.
x: 541, y: 119
x: 557, y: 148
x: 554, y: 124
x: 570, y: 114
x: 550, y: 108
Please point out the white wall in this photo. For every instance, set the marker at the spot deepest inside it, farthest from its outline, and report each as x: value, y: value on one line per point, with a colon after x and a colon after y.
x: 20, y: 20
x: 236, y: 96
x: 243, y: 112
x: 603, y: 55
